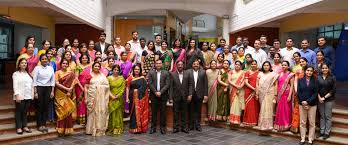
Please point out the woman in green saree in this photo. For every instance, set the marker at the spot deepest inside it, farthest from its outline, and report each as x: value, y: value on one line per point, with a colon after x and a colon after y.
x: 116, y: 101
x: 223, y: 100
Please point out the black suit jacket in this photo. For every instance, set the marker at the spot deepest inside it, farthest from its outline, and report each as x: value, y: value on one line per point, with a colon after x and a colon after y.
x: 202, y: 83
x: 98, y: 48
x: 179, y: 91
x: 307, y: 93
x: 164, y: 83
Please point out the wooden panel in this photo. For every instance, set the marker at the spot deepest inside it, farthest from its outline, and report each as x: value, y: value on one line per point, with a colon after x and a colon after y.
x: 80, y: 31
x: 124, y: 28
x: 255, y: 33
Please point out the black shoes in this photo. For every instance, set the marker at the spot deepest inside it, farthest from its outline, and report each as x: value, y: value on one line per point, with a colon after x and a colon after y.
x: 326, y: 136
x: 198, y: 128
x: 184, y: 130
x: 302, y: 143
x: 175, y: 130
x: 153, y: 130
x: 163, y: 131
x: 19, y: 132
x: 319, y: 135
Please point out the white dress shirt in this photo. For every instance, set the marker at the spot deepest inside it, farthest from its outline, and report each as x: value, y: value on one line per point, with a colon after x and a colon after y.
x: 134, y: 44
x: 288, y: 54
x: 158, y: 80
x: 195, y: 77
x: 43, y: 76
x: 249, y: 50
x: 102, y: 47
x: 260, y: 56
x: 181, y: 76
x: 22, y: 85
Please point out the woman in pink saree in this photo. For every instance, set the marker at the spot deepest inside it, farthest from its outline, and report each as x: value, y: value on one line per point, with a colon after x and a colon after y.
x: 179, y: 54
x: 32, y: 60
x: 283, y: 116
x: 83, y: 72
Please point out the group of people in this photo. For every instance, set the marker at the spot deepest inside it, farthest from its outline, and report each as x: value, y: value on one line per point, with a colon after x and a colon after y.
x: 98, y: 84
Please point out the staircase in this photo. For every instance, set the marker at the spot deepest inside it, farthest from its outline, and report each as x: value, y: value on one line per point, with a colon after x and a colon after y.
x: 339, y: 133
x: 8, y: 130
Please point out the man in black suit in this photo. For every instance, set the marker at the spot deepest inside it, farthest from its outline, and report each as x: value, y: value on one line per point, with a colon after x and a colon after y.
x: 199, y: 86
x: 179, y: 91
x: 159, y: 83
x: 102, y: 46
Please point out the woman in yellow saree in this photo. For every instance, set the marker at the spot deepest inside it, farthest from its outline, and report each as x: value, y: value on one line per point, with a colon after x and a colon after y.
x: 65, y: 82
x: 116, y: 101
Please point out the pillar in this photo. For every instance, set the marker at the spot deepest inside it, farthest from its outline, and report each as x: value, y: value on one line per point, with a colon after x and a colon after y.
x: 108, y: 28
x: 226, y: 30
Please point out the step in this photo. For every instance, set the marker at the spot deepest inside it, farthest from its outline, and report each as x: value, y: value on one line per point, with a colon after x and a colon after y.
x: 6, y: 118
x: 11, y: 138
x: 339, y: 122
x: 11, y: 127
x: 7, y: 108
x: 334, y: 139
x: 340, y: 113
x: 341, y: 132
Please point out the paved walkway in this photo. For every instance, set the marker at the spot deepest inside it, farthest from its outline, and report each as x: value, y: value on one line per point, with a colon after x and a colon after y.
x: 209, y: 136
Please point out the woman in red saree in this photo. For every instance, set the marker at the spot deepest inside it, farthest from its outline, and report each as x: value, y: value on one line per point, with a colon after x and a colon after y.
x: 282, y: 120
x: 65, y: 82
x: 252, y: 106
x: 138, y: 99
x: 236, y: 80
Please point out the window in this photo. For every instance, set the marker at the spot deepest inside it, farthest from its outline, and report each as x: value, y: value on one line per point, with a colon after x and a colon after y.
x: 6, y: 34
x: 331, y: 31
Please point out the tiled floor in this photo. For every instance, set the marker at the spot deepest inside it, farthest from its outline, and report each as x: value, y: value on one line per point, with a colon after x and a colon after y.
x: 209, y: 136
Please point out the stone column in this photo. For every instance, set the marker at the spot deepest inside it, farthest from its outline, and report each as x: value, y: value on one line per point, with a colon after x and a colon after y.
x: 108, y: 29
x: 226, y: 29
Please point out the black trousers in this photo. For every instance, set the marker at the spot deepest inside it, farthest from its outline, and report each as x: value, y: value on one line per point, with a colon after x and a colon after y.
x: 180, y: 113
x: 21, y: 113
x: 195, y: 111
x: 158, y: 103
x: 44, y: 94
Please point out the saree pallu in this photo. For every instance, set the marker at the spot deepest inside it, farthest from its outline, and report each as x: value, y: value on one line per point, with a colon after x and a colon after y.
x: 84, y: 78
x: 139, y: 102
x: 295, y: 122
x: 126, y: 68
x: 252, y: 106
x: 236, y: 97
x: 208, y: 57
x: 282, y: 120
x: 64, y: 105
x: 266, y: 89
x: 116, y: 106
x: 223, y: 100
x: 149, y: 62
x: 166, y: 58
x: 178, y: 55
x: 212, y: 94
x: 97, y: 105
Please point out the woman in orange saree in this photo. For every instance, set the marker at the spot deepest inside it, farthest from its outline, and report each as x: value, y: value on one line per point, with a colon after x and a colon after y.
x: 236, y: 80
x: 65, y: 82
x: 299, y: 73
